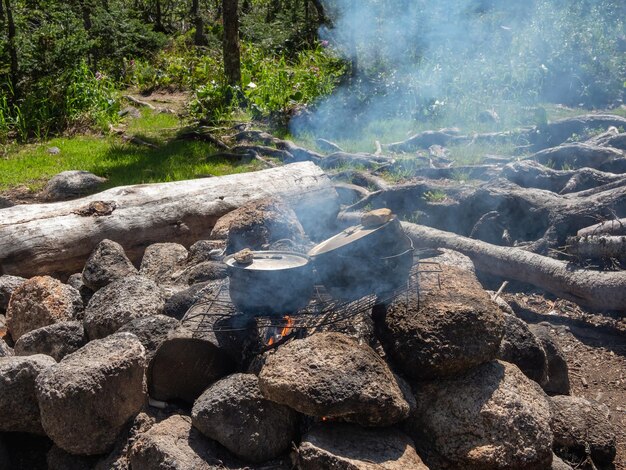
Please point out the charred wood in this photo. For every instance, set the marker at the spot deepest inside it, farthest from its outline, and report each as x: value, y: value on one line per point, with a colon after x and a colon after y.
x: 608, y: 227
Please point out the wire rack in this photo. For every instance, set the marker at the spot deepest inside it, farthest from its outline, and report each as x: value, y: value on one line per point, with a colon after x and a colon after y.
x: 216, y: 312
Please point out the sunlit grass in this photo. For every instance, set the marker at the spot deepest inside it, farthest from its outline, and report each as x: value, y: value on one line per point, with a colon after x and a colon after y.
x: 122, y: 163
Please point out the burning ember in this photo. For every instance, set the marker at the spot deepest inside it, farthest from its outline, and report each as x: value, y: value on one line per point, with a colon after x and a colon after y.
x: 284, y: 331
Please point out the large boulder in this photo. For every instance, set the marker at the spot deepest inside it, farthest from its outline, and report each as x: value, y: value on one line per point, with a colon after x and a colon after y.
x: 201, y: 272
x: 558, y: 371
x: 7, y: 285
x: 41, y: 301
x: 120, y: 302
x: 206, y: 250
x: 5, y: 349
x: 331, y: 375
x: 179, y: 303
x: 87, y: 398
x: 71, y: 184
x: 173, y: 444
x: 107, y: 263
x: 258, y: 224
x: 58, y: 459
x: 233, y: 412
x: 441, y: 330
x: 161, y: 260
x: 521, y: 347
x: 491, y: 417
x: 76, y: 281
x: 151, y: 331
x: 56, y: 340
x: 18, y: 404
x: 580, y: 426
x: 341, y: 446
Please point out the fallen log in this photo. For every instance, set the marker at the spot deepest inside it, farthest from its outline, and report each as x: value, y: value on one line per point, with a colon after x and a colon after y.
x: 603, y: 247
x: 580, y: 155
x: 608, y: 227
x: 340, y: 159
x: 602, y: 291
x: 57, y: 238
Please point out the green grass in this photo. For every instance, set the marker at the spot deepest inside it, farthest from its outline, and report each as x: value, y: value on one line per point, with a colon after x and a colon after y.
x: 122, y: 163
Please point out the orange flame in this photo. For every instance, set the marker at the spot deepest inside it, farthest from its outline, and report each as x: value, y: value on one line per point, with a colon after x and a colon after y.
x: 284, y: 331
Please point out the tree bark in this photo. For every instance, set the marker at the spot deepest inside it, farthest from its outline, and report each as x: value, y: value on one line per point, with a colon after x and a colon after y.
x: 58, y: 237
x: 14, y: 67
x: 595, y: 290
x: 232, y: 53
x: 198, y: 38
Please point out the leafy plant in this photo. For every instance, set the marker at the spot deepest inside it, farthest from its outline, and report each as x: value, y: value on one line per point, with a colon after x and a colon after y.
x: 435, y: 196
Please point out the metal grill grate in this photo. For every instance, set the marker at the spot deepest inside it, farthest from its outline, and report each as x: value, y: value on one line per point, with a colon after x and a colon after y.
x: 218, y: 313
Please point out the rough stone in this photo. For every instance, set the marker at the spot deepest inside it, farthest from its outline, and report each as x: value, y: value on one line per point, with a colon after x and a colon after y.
x: 87, y: 398
x: 558, y: 464
x: 522, y: 348
x: 491, y: 417
x: 56, y: 340
x: 341, y: 446
x: 76, y: 281
x: 161, y: 260
x: 331, y: 375
x: 5, y: 349
x: 206, y: 250
x: 58, y: 459
x: 5, y: 203
x: 41, y: 301
x: 71, y: 184
x: 258, y: 224
x: 179, y: 303
x: 5, y: 459
x: 107, y: 263
x: 120, y: 302
x: 442, y: 331
x: 579, y: 424
x: 173, y: 444
x: 558, y: 371
x: 18, y: 404
x: 7, y: 285
x: 151, y: 331
x: 201, y: 272
x: 233, y: 412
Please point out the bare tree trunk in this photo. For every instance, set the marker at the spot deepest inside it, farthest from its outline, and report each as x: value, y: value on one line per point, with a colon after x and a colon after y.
x: 14, y: 70
x: 232, y: 53
x: 158, y: 23
x: 198, y: 39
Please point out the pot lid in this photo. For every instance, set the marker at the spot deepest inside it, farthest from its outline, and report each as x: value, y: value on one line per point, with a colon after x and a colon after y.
x: 270, y: 261
x: 346, y: 237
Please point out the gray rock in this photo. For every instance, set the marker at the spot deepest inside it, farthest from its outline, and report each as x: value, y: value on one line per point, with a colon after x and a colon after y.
x: 120, y: 302
x: 558, y: 371
x: 71, y: 184
x: 173, y: 444
x: 7, y: 285
x: 56, y: 340
x: 201, y: 272
x: 558, y: 464
x: 492, y: 416
x: 87, y: 398
x: 161, y: 260
x: 177, y: 305
x: 206, y: 250
x: 151, y: 331
x: 340, y: 446
x: 258, y: 224
x: 579, y: 424
x: 442, y: 331
x: 129, y: 111
x: 521, y: 347
x: 54, y: 150
x: 76, y: 281
x: 5, y: 203
x: 5, y: 349
x: 107, y: 263
x: 331, y: 375
x: 233, y: 412
x: 41, y: 301
x: 18, y: 403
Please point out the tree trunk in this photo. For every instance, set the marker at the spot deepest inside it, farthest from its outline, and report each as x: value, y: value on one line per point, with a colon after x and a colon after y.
x: 232, y: 54
x: 198, y: 38
x: 58, y: 237
x: 14, y: 70
x: 158, y: 22
x: 596, y: 290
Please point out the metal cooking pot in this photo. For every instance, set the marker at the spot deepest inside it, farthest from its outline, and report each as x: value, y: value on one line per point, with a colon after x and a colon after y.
x: 274, y: 283
x: 364, y: 260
